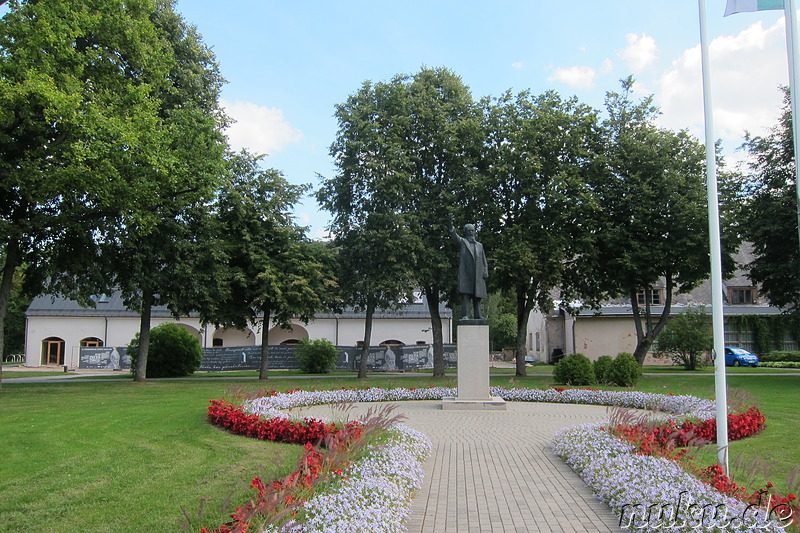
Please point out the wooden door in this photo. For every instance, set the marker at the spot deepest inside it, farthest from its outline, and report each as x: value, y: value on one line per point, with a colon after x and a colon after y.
x: 53, y: 352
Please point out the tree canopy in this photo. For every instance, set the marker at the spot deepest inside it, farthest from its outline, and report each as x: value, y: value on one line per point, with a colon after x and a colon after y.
x: 768, y: 215
x: 270, y: 272
x: 369, y: 199
x: 654, y: 215
x: 541, y: 156
x: 687, y: 339
x: 143, y: 255
x: 89, y: 133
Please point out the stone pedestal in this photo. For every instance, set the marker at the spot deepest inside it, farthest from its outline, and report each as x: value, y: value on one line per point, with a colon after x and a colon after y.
x: 473, y: 369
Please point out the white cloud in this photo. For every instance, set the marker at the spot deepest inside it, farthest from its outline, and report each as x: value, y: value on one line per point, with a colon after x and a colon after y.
x: 577, y: 77
x: 518, y: 65
x: 745, y: 70
x: 260, y: 129
x: 607, y: 66
x: 640, y: 52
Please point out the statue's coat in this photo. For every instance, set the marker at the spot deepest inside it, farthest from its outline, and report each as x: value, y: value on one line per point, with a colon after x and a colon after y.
x: 472, y: 267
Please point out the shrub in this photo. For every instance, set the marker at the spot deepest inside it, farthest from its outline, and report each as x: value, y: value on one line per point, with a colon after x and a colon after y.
x: 686, y: 339
x: 574, y: 369
x: 601, y: 368
x: 624, y: 371
x: 173, y: 352
x: 780, y: 364
x: 316, y: 356
x: 776, y: 356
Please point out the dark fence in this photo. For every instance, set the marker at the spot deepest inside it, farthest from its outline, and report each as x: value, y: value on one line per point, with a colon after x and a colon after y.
x: 380, y: 358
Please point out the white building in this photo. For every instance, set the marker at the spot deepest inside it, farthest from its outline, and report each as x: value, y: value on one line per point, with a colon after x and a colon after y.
x: 611, y: 329
x: 56, y: 328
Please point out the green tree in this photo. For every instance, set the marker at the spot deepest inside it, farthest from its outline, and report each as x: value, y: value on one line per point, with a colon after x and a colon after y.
x: 541, y: 156
x: 407, y: 146
x: 77, y: 117
x: 15, y: 318
x: 503, y: 331
x: 271, y: 273
x: 769, y: 213
x: 654, y: 218
x: 376, y: 248
x: 373, y: 270
x: 441, y: 147
x: 686, y: 339
x: 146, y: 257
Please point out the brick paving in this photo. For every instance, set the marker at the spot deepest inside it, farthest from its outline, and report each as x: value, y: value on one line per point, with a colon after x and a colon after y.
x: 494, y: 472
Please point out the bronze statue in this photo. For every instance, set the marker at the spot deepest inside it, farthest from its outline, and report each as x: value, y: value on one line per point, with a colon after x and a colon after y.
x: 472, y: 271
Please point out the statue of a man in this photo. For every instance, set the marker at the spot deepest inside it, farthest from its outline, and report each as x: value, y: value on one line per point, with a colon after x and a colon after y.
x: 472, y: 271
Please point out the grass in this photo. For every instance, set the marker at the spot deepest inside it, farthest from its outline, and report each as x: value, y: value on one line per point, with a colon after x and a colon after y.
x: 668, y: 369
x: 8, y: 374
x: 107, y: 457
x: 111, y: 455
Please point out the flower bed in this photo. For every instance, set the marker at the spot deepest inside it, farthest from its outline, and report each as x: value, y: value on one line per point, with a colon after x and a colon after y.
x: 375, y: 493
x: 654, y: 493
x: 631, y: 483
x: 356, y: 495
x: 276, y: 429
x: 673, y: 434
x: 274, y: 405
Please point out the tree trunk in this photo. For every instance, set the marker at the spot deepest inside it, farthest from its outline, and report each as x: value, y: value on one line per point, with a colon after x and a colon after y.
x: 646, y: 336
x: 362, y: 366
x: 264, y: 368
x: 144, y: 337
x: 6, y: 282
x: 432, y: 295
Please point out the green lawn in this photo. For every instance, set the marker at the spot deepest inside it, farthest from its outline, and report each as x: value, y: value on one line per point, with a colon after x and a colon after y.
x: 118, y: 456
x: 108, y: 456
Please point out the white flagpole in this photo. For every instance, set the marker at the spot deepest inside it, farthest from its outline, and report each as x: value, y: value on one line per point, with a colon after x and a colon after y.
x: 718, y: 322
x: 790, y: 14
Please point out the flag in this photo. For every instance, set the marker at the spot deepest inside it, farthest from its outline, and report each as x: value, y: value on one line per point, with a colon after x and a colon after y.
x: 740, y: 6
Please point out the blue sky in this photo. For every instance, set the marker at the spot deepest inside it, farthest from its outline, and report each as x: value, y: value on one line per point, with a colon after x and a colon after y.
x: 289, y: 63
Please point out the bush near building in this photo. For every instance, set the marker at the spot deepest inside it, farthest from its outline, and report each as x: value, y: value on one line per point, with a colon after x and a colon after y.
x: 316, y: 356
x: 624, y: 370
x: 574, y: 369
x: 686, y: 339
x: 174, y: 352
x: 601, y: 368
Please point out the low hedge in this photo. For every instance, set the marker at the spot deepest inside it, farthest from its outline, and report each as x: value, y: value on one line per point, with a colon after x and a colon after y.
x: 780, y: 364
x: 784, y: 356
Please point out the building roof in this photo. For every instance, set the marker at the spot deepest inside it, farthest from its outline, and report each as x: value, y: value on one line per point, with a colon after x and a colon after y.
x: 113, y: 306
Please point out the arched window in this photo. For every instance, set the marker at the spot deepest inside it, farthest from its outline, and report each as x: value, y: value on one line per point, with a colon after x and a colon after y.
x: 290, y: 342
x: 91, y: 342
x: 53, y: 351
x: 393, y: 342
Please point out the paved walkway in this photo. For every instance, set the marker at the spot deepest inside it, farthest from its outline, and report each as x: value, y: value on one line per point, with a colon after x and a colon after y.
x: 494, y: 472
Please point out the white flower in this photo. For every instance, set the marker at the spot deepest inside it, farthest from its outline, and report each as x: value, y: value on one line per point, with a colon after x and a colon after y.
x: 648, y: 493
